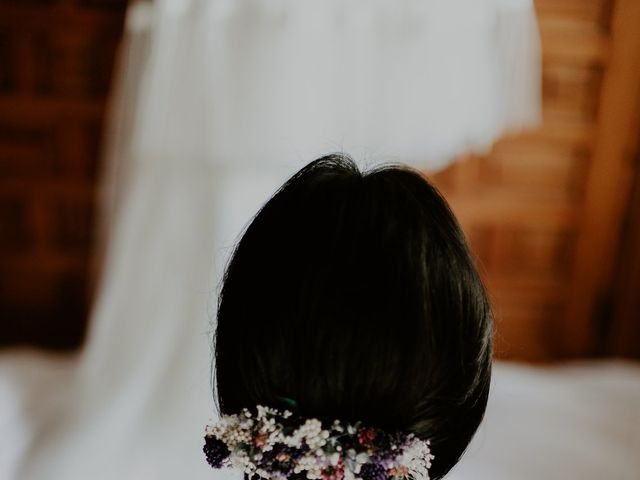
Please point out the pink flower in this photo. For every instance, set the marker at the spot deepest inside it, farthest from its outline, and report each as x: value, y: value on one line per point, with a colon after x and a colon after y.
x: 366, y: 436
x: 333, y: 473
x: 261, y: 439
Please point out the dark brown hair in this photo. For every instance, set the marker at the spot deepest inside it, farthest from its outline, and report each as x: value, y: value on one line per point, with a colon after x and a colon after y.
x: 355, y: 294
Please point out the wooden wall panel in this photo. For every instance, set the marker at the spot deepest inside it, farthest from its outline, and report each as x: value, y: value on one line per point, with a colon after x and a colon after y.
x: 56, y: 58
x: 610, y: 180
x: 533, y: 206
x: 622, y: 337
x: 576, y: 14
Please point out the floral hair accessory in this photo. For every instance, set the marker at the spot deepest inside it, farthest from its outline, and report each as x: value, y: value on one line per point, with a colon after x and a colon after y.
x: 278, y: 445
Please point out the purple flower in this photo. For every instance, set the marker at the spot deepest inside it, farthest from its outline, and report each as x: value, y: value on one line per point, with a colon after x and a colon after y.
x: 372, y: 471
x: 215, y: 450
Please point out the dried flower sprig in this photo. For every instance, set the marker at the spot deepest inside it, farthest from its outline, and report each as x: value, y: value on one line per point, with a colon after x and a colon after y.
x: 277, y: 445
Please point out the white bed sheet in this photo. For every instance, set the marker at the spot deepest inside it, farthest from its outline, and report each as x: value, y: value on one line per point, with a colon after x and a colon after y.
x: 577, y: 421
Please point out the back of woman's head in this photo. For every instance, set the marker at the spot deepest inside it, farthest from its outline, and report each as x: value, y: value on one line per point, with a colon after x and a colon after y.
x: 355, y: 295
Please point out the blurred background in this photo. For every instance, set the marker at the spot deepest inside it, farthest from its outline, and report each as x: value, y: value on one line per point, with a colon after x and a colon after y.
x: 55, y: 70
x: 552, y: 213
